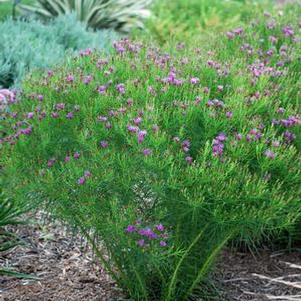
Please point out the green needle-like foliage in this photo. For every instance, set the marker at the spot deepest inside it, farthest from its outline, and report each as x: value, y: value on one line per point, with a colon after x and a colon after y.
x: 160, y: 156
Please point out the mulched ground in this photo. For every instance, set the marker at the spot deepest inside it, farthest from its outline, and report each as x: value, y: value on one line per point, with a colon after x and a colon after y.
x: 68, y: 272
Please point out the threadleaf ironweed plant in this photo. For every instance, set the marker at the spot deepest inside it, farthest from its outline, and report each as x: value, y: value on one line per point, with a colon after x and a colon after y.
x: 161, y: 157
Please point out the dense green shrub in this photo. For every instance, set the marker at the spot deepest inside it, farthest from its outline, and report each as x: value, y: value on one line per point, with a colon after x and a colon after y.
x: 98, y: 14
x: 28, y: 45
x: 160, y: 157
x: 186, y: 19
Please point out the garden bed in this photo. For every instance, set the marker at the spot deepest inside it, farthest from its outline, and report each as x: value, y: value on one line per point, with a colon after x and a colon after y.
x: 67, y: 271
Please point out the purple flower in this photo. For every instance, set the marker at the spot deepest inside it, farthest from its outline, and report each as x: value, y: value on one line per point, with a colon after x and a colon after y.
x: 160, y: 227
x: 87, y: 174
x: 102, y: 118
x: 194, y: 80
x: 76, y: 155
x: 130, y: 229
x: 269, y: 154
x: 238, y: 136
x: 129, y: 102
x: 288, y: 31
x: 141, y: 135
x: 147, y: 152
x: 218, y: 146
x: 40, y: 97
x: 87, y: 79
x: 189, y: 159
x: 60, y: 106
x: 273, y: 39
x: 289, y: 136
x: 30, y: 115
x: 120, y: 88
x: 108, y: 125
x: 132, y: 129
x: 104, y: 144
x: 69, y: 115
x: 70, y: 78
x: 67, y: 158
x: 137, y: 120
x: 229, y: 114
x: 54, y: 115
x: 141, y: 242
x: 26, y: 131
x: 81, y: 181
x: 186, y: 144
x: 50, y: 162
x: 148, y: 233
x: 221, y: 137
x: 238, y: 31
x: 102, y: 89
x: 280, y: 110
x: 163, y: 243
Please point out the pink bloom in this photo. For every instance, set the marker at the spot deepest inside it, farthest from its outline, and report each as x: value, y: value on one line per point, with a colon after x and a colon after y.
x: 130, y: 229
x: 141, y: 242
x: 81, y: 181
x: 163, y: 243
x: 229, y: 114
x: 70, y: 78
x: 189, y: 159
x: 269, y: 154
x: 87, y: 174
x: 104, y: 144
x: 147, y: 152
x: 194, y: 80
x: 30, y: 115
x: 69, y: 115
x: 160, y: 227
x: 141, y: 135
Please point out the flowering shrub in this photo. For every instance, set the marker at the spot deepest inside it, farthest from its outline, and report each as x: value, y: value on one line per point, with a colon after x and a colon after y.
x: 161, y: 157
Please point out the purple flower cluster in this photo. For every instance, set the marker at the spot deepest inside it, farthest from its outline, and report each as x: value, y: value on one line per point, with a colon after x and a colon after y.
x: 148, y: 236
x: 269, y: 154
x: 120, y: 88
x: 218, y: 145
x: 82, y: 180
x: 215, y: 103
x: 125, y: 45
x: 291, y: 121
x: 67, y: 159
x: 141, y: 136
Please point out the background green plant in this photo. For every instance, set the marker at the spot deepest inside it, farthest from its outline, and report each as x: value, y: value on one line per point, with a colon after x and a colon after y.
x: 185, y: 20
x: 6, y: 8
x: 98, y: 14
x: 28, y: 45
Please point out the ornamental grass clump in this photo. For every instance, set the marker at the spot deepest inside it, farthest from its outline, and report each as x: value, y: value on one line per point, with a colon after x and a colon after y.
x: 163, y: 156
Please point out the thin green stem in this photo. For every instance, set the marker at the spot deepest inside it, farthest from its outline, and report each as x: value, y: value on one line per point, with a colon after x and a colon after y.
x: 174, y: 276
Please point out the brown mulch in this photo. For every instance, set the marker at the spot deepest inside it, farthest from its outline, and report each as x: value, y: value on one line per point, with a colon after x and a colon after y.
x: 68, y: 271
x: 65, y: 265
x: 264, y: 276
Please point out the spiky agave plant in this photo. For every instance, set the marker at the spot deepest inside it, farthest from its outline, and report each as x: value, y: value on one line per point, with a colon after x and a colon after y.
x: 122, y: 15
